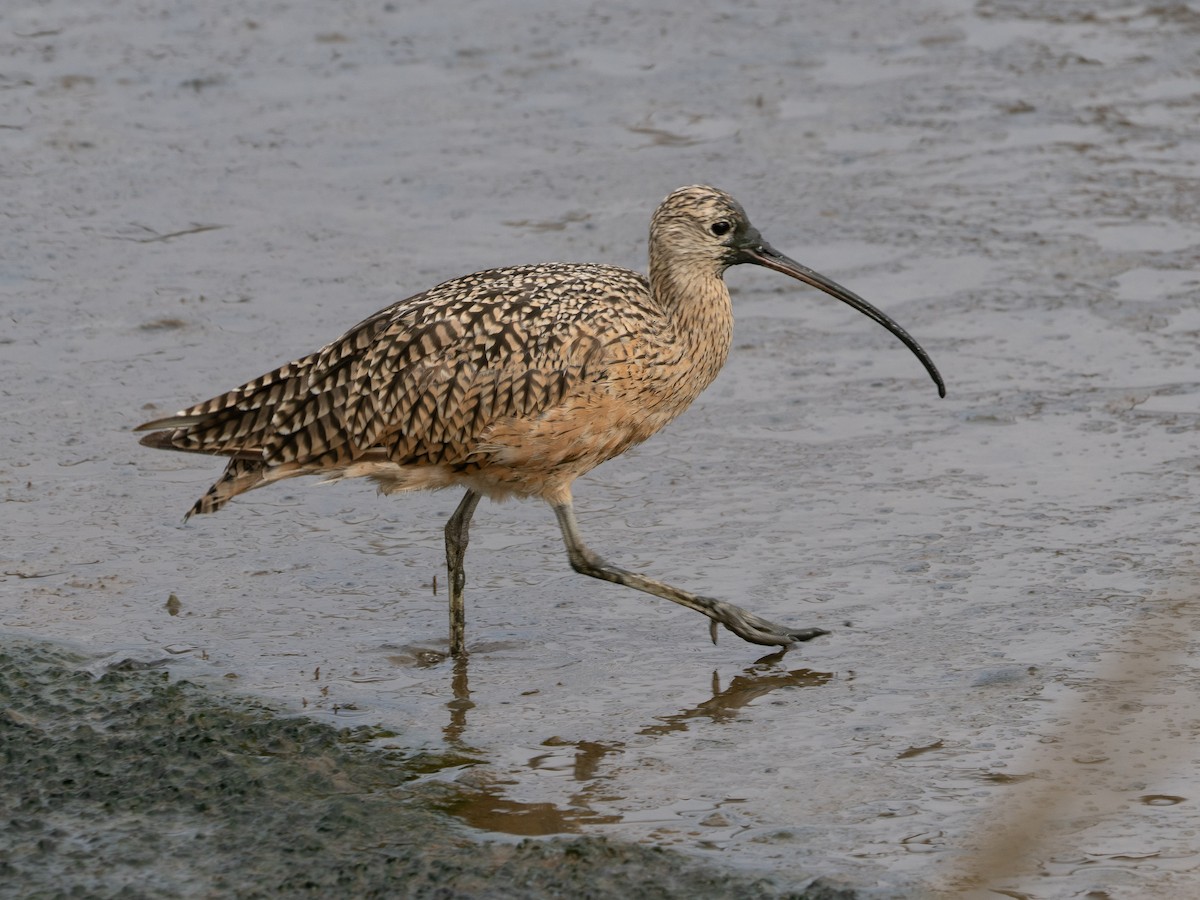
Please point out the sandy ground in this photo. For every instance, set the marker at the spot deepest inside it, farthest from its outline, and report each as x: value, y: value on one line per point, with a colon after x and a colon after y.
x: 196, y: 193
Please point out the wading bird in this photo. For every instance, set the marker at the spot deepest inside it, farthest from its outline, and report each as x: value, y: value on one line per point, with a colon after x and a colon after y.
x: 511, y: 382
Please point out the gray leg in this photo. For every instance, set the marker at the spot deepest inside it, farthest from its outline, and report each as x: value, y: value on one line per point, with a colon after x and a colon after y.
x: 744, y: 624
x: 456, y: 550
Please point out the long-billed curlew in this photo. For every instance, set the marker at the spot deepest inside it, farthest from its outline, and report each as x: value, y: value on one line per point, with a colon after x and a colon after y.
x: 511, y: 382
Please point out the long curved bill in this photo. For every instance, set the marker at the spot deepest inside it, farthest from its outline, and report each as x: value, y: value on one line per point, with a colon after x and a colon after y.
x: 763, y: 254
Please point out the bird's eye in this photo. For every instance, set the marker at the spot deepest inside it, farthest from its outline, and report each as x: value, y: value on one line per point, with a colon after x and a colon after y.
x: 720, y: 228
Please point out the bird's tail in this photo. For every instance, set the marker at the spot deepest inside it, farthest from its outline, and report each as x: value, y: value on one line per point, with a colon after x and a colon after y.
x: 236, y: 423
x: 242, y: 424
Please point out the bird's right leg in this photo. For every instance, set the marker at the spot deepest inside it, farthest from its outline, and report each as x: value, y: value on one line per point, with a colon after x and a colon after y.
x: 456, y: 550
x: 745, y: 625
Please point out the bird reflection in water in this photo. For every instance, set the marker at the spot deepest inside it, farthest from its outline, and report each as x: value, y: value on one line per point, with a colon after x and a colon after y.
x: 480, y: 798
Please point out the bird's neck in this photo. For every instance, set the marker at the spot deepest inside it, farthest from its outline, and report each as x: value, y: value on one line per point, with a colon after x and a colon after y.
x: 696, y: 302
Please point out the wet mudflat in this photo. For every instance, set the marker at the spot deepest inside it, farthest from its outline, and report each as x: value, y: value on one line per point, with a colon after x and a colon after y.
x: 121, y: 782
x: 197, y: 194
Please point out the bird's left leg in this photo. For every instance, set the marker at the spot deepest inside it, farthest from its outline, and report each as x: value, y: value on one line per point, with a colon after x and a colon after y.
x: 456, y: 550
x: 746, y: 625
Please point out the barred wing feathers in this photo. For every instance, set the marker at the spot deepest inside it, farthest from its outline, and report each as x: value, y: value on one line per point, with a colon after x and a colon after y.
x: 420, y: 382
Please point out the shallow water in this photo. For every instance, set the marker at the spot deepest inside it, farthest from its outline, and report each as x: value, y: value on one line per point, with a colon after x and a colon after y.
x: 196, y: 195
x: 131, y: 784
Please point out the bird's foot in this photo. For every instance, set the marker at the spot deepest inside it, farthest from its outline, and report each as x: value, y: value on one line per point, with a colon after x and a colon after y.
x: 755, y: 629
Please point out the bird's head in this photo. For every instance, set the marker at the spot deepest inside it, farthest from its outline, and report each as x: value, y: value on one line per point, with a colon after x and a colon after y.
x: 701, y: 228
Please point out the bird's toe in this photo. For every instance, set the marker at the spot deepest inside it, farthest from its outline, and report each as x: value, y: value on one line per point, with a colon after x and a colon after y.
x: 807, y: 634
x: 758, y: 630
